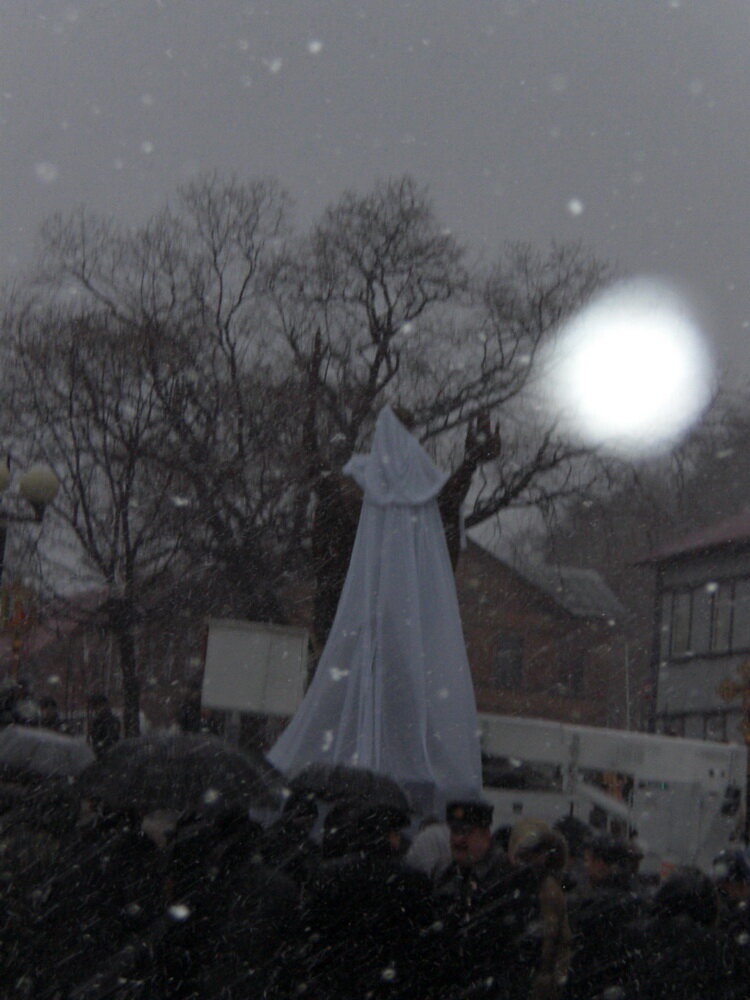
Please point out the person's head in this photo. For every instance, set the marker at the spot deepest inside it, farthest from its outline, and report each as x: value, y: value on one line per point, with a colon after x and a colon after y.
x: 731, y: 874
x: 577, y: 834
x: 605, y: 857
x: 533, y: 842
x: 356, y: 826
x: 469, y: 823
x: 300, y: 812
x: 688, y: 892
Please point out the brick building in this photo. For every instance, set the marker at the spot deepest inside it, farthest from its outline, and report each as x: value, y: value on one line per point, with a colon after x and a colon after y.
x: 544, y: 642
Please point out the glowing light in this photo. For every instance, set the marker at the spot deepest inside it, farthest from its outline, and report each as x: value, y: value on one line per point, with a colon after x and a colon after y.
x: 631, y: 371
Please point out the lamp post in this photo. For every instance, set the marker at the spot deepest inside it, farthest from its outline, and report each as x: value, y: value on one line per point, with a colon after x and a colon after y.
x: 38, y: 487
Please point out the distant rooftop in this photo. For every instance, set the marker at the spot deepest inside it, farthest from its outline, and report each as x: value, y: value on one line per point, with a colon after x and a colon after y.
x: 583, y: 593
x: 733, y: 531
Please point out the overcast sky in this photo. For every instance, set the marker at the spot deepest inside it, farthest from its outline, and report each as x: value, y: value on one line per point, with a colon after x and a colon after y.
x: 622, y: 123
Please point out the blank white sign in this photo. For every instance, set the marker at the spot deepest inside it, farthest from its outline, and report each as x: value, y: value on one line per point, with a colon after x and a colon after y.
x: 254, y: 667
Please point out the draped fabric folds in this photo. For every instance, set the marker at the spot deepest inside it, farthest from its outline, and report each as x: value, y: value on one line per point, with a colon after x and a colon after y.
x: 392, y: 691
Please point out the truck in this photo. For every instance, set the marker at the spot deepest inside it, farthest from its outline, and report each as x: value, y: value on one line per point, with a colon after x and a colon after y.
x: 682, y: 800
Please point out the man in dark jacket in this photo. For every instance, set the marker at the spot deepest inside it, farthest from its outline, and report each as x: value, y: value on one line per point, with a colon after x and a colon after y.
x: 365, y: 916
x: 484, y: 903
x: 599, y: 915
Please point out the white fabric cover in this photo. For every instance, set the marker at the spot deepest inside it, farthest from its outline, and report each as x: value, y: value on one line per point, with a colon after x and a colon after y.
x: 392, y: 691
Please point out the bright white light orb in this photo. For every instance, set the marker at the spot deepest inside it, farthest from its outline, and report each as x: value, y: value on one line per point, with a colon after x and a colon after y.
x: 631, y: 371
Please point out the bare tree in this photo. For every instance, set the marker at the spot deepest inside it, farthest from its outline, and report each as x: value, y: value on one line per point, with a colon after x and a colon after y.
x: 92, y: 413
x: 266, y: 357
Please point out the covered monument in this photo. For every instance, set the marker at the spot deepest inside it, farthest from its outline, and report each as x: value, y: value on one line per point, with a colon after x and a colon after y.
x: 392, y: 691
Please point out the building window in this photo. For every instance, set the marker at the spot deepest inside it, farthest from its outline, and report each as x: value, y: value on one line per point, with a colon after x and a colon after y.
x: 741, y: 616
x: 570, y: 669
x: 721, y: 618
x: 665, y: 625
x: 681, y: 621
x: 508, y: 660
x: 714, y: 617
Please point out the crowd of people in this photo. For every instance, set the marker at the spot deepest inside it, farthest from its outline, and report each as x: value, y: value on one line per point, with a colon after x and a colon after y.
x: 20, y: 707
x: 348, y: 900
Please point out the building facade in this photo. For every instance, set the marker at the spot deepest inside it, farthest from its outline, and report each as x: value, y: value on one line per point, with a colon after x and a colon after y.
x: 701, y: 631
x: 545, y: 642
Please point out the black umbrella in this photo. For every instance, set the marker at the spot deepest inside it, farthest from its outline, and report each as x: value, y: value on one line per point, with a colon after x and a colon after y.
x: 184, y: 771
x: 27, y: 751
x: 342, y: 783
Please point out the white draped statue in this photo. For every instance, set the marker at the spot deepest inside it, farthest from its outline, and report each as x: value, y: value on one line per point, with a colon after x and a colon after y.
x: 392, y: 691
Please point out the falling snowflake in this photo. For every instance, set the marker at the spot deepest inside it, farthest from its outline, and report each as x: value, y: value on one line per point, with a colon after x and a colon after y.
x: 211, y: 795
x: 327, y: 740
x: 147, y: 147
x: 337, y: 674
x: 179, y: 911
x: 558, y: 83
x: 46, y: 172
x: 273, y: 65
x: 315, y: 47
x: 575, y: 206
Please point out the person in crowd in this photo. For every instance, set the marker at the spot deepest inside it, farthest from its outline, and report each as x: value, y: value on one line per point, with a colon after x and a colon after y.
x: 189, y: 711
x: 474, y: 854
x: 49, y: 717
x: 104, y: 726
x: 430, y: 850
x: 541, y: 958
x: 578, y: 836
x: 731, y: 875
x: 227, y: 916
x: 365, y: 915
x: 675, y: 951
x: 104, y: 888
x: 20, y: 707
x: 287, y: 844
x: 483, y: 903
x: 606, y: 902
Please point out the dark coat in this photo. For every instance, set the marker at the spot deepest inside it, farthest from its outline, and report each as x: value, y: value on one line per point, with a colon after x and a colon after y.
x: 363, y: 925
x: 601, y: 950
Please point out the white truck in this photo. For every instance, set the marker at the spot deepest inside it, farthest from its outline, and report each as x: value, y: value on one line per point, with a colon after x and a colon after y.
x: 684, y: 800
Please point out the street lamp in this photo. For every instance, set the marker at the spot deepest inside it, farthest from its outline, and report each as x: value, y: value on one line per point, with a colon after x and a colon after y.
x: 38, y: 487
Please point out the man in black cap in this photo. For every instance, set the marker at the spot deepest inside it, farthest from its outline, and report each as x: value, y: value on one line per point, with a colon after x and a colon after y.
x: 480, y: 897
x: 471, y: 843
